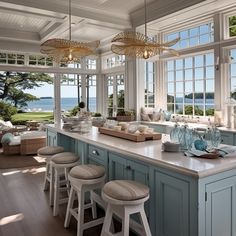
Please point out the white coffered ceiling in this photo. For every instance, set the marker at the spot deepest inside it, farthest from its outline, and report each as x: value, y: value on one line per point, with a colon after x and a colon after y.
x: 34, y: 21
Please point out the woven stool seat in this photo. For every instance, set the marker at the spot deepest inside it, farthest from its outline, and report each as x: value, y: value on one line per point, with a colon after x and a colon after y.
x: 64, y: 158
x: 126, y: 190
x: 87, y: 172
x: 50, y: 150
x: 125, y: 198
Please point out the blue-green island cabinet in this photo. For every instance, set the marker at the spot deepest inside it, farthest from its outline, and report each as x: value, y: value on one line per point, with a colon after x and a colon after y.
x: 51, y: 138
x: 180, y: 204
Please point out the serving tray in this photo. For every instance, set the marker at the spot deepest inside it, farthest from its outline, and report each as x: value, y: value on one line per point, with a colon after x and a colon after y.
x: 136, y: 137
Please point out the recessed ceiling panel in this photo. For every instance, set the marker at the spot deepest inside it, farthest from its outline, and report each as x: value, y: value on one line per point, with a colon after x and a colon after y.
x: 21, y: 22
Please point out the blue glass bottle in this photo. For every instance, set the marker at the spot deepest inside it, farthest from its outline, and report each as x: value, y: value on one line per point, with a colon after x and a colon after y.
x: 174, y: 133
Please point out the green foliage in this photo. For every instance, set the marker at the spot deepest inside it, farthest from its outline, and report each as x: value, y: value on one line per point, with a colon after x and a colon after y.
x: 12, y: 85
x: 198, y: 111
x: 210, y: 112
x: 200, y: 95
x: 19, y: 98
x: 74, y: 111
x: 81, y: 105
x: 188, y: 110
x: 121, y: 99
x: 126, y: 113
x: 7, y: 110
x: 97, y: 114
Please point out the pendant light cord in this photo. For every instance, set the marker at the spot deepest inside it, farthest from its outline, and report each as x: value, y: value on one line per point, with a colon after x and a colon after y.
x: 145, y: 19
x: 70, y: 20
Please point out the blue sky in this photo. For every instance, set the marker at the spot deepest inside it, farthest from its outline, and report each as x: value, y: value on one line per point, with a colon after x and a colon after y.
x: 47, y: 91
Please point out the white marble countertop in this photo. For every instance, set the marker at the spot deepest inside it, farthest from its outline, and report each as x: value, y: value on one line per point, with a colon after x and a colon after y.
x: 150, y: 152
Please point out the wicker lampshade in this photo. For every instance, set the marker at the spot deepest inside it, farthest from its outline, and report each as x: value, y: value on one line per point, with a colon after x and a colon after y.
x: 67, y: 51
x: 135, y: 44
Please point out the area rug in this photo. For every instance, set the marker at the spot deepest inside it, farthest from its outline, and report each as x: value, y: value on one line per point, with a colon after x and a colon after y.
x: 18, y: 161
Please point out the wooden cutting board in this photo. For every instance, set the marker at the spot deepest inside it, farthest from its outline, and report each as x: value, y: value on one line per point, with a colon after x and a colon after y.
x: 137, y: 137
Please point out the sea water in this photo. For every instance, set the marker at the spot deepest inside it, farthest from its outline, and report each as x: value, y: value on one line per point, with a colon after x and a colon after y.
x: 47, y: 104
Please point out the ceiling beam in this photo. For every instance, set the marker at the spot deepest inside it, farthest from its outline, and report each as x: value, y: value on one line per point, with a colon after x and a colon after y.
x: 45, y: 6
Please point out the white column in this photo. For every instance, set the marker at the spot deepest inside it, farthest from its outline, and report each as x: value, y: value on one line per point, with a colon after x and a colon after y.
x: 57, y: 99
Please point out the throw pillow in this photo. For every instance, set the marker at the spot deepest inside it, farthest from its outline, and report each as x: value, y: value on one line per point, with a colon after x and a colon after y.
x: 145, y: 117
x: 7, y: 138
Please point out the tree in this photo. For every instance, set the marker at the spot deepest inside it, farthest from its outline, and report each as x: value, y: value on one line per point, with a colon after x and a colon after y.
x: 7, y: 110
x: 19, y: 98
x: 21, y: 81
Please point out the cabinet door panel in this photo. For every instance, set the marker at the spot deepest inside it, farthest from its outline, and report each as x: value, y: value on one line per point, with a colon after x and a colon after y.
x: 51, y: 138
x: 221, y: 208
x: 227, y: 138
x: 117, y: 167
x: 137, y: 172
x: 172, y: 206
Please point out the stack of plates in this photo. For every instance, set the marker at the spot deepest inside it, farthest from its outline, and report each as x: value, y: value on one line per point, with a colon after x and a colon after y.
x: 171, y: 147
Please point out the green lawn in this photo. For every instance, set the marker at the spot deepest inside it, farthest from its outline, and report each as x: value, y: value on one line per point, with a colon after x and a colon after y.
x: 37, y: 116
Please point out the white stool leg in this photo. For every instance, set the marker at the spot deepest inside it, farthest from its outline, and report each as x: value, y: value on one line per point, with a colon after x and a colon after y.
x: 94, y: 206
x: 80, y: 220
x: 46, y: 182
x: 56, y: 192
x: 51, y: 193
x: 145, y: 223
x: 107, y: 221
x: 67, y: 181
x: 69, y: 207
x: 125, y: 223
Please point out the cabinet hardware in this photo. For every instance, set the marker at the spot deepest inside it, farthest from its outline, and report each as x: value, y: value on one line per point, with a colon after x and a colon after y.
x: 95, y: 152
x: 205, y: 196
x: 128, y: 167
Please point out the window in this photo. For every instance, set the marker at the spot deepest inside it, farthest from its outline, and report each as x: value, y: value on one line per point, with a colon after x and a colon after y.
x: 91, y: 64
x: 118, y: 60
x: 232, y: 73
x: 115, y: 85
x: 38, y: 60
x: 192, y: 37
x: 232, y: 26
x: 71, y: 65
x: 190, y: 85
x: 91, y: 93
x: 12, y: 58
x: 149, y: 92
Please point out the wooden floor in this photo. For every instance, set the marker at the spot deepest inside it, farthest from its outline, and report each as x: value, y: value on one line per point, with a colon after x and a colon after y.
x: 24, y: 209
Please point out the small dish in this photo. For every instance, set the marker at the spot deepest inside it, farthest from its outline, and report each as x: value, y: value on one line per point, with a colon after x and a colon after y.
x: 132, y: 128
x: 142, y: 128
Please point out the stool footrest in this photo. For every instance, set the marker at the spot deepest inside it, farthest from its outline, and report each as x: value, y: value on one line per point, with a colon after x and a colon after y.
x: 93, y: 223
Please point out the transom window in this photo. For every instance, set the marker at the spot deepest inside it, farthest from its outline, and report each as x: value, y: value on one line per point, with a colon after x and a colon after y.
x: 190, y: 85
x: 38, y: 60
x: 114, y: 61
x: 192, y: 37
x: 12, y: 58
x: 91, y: 64
x: 149, y: 91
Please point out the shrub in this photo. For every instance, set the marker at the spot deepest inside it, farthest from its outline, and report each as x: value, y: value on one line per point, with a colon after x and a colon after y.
x: 74, y: 111
x: 7, y: 110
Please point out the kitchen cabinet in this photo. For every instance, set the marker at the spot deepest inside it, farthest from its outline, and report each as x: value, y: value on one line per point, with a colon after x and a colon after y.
x: 220, y: 200
x: 51, y: 138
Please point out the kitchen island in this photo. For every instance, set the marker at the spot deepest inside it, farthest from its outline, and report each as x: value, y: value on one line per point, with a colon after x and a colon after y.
x: 188, y: 196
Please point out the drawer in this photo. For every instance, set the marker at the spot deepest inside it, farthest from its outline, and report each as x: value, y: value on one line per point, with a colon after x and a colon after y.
x: 97, y: 153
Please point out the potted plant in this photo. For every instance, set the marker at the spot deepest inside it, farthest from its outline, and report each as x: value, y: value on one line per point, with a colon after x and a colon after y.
x: 125, y: 115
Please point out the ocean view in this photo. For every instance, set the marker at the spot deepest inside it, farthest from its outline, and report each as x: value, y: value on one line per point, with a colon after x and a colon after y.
x: 46, y: 104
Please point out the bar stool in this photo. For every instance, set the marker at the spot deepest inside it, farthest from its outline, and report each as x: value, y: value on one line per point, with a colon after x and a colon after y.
x: 47, y: 152
x: 84, y: 178
x: 61, y: 163
x: 125, y: 197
